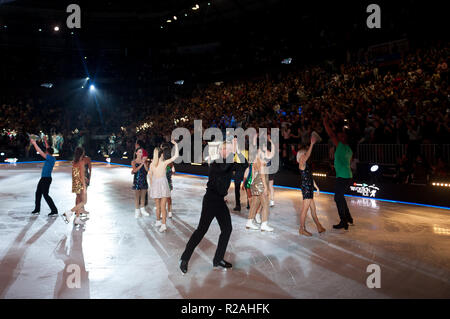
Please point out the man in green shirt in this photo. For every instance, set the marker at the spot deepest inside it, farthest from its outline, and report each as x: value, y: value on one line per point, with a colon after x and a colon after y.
x: 342, y: 158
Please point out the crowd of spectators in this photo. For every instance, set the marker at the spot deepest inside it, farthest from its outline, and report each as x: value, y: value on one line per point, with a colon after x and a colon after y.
x: 406, y: 102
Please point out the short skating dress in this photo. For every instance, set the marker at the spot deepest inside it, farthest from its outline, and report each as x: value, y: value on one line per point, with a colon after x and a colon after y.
x: 140, y: 178
x: 77, y: 183
x: 160, y: 187
x: 307, y: 184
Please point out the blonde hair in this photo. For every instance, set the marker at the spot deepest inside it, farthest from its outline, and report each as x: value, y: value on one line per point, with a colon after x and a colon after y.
x: 156, y: 154
x: 257, y: 164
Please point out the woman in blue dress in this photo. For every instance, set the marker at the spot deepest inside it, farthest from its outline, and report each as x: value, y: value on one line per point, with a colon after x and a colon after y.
x: 140, y: 186
x: 307, y: 185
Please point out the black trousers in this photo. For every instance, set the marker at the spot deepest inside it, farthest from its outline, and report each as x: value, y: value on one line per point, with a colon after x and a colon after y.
x: 213, y: 206
x: 237, y: 192
x: 43, y: 188
x: 341, y: 186
x: 238, y: 177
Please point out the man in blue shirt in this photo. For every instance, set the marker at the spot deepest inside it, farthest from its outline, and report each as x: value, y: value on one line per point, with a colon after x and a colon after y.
x: 45, y: 181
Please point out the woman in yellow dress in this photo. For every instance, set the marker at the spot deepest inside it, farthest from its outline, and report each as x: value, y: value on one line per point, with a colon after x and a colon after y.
x: 78, y: 187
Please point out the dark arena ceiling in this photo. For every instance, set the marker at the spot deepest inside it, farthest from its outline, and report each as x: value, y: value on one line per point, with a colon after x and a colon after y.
x: 144, y: 23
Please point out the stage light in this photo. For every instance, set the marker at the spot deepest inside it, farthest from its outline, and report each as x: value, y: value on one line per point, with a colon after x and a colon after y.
x: 185, y: 14
x: 56, y: 28
x: 40, y: 30
x: 91, y: 87
x: 286, y: 61
x: 175, y: 18
x: 209, y: 3
x: 168, y: 21
x: 162, y: 27
x: 87, y: 78
x: 82, y: 86
x: 71, y: 33
x: 2, y: 154
x: 441, y: 184
x: 85, y: 57
x: 374, y: 168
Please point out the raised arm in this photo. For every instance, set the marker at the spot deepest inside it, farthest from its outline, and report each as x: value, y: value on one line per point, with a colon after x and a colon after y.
x: 308, y: 153
x: 330, y: 132
x: 270, y: 154
x: 175, y: 156
x: 38, y: 149
x: 45, y: 140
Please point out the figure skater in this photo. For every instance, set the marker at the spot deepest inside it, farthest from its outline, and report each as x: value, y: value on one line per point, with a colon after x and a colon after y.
x: 88, y: 174
x: 140, y: 185
x: 43, y: 186
x: 170, y: 170
x: 308, y: 184
x: 240, y: 165
x: 342, y: 159
x: 259, y: 188
x: 78, y: 187
x: 214, y: 206
x: 159, y: 186
x: 269, y: 156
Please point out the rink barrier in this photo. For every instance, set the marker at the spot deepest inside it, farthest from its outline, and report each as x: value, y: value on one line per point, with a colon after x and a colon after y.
x: 318, y: 181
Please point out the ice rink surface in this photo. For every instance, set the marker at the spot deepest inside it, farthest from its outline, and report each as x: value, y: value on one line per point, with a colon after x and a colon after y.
x: 122, y: 257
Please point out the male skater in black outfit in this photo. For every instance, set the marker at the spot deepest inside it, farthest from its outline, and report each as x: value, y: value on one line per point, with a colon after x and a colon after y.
x: 240, y: 165
x: 214, y: 205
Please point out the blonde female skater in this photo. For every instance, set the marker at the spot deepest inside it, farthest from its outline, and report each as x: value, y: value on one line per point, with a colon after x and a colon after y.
x: 259, y: 189
x: 308, y: 184
x: 159, y: 186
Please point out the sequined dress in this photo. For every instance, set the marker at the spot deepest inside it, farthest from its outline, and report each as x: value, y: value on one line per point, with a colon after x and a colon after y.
x: 77, y: 184
x: 257, y: 186
x: 307, y: 183
x: 140, y: 178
